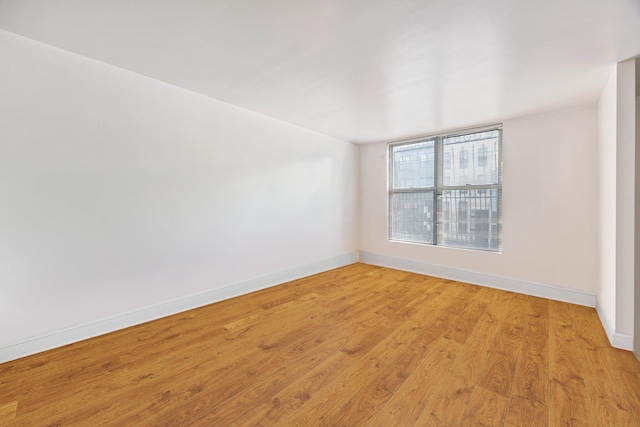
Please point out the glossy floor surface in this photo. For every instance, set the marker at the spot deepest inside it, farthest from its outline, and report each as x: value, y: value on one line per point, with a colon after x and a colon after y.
x: 356, y: 346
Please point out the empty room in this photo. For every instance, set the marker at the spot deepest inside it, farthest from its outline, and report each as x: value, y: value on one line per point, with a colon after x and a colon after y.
x: 319, y: 213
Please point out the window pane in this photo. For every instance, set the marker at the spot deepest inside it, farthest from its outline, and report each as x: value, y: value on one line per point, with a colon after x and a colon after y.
x: 412, y: 217
x: 475, y: 159
x: 469, y: 219
x: 413, y: 165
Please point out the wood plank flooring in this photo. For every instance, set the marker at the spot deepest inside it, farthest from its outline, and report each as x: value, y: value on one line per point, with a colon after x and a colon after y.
x: 356, y: 346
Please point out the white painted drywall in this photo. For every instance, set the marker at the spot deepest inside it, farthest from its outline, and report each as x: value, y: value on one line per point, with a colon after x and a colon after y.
x: 119, y: 192
x: 606, y: 292
x: 617, y: 212
x: 625, y: 195
x: 636, y: 313
x: 550, y: 204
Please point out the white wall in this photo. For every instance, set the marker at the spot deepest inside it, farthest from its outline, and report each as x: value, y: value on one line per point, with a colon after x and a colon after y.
x: 550, y: 205
x: 607, y: 125
x: 625, y: 196
x: 119, y: 192
x: 617, y: 228
x: 636, y: 314
x: 617, y: 175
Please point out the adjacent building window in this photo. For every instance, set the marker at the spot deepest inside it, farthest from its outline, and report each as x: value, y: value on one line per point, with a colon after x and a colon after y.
x: 482, y: 156
x: 464, y: 158
x: 446, y: 190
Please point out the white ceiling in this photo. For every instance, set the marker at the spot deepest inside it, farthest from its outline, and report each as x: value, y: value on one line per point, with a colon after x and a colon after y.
x: 359, y: 70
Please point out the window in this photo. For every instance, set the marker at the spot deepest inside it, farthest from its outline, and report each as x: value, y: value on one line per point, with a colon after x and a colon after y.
x: 438, y: 197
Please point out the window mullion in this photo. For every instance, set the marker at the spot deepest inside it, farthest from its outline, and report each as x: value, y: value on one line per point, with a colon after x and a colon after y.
x: 437, y: 164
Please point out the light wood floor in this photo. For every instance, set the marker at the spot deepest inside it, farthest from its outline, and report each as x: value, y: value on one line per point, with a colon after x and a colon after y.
x: 356, y: 346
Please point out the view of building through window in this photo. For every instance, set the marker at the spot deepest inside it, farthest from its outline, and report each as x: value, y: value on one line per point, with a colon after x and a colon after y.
x: 447, y: 190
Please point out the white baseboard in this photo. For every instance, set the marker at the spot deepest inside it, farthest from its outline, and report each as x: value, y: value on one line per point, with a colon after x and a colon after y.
x: 58, y: 338
x: 574, y: 296
x: 617, y: 340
